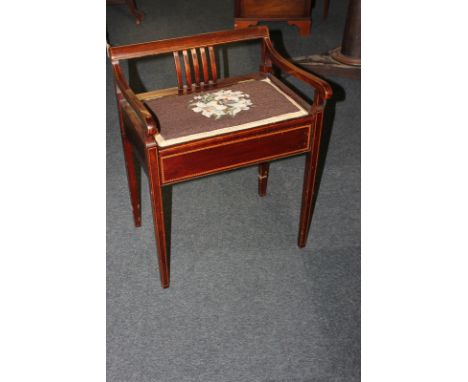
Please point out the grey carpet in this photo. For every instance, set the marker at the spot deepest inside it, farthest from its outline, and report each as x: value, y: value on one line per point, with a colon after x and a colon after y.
x: 245, y: 303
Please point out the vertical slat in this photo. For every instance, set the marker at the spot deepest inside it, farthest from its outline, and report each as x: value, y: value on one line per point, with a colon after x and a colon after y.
x: 196, y: 69
x: 206, y: 76
x: 180, y: 82
x: 265, y: 67
x: 214, y: 72
x: 188, y: 72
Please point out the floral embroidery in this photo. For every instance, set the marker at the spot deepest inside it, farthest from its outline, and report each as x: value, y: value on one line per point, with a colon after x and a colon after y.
x: 221, y: 103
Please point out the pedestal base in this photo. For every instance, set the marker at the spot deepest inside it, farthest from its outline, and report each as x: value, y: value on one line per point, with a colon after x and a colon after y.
x: 347, y: 60
x: 325, y: 64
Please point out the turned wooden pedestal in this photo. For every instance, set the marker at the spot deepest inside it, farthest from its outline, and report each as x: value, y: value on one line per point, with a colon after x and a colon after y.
x: 344, y: 60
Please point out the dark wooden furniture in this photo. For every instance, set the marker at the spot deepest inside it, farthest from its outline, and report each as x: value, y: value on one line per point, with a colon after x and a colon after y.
x: 326, y: 8
x: 345, y: 60
x: 295, y: 12
x: 350, y: 51
x: 166, y: 159
x: 131, y: 7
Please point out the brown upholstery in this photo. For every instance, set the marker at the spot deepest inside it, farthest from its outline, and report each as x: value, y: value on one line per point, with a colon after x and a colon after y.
x: 178, y: 122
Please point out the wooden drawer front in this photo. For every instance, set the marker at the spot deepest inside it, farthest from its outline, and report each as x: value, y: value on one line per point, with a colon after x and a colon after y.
x: 273, y: 8
x: 233, y: 154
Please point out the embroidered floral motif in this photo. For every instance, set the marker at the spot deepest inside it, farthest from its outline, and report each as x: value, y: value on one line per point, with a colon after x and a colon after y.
x: 221, y: 103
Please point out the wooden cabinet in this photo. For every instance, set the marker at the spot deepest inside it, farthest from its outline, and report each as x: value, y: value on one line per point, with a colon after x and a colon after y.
x: 295, y: 12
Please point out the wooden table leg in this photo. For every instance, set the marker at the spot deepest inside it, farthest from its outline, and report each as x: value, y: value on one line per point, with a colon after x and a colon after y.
x: 326, y: 7
x: 131, y: 5
x: 303, y: 25
x: 135, y: 11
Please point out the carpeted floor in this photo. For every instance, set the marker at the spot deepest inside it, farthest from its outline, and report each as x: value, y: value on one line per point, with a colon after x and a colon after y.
x: 245, y: 303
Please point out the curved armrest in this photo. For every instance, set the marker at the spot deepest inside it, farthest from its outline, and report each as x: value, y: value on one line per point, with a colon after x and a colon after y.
x: 323, y: 87
x: 133, y: 101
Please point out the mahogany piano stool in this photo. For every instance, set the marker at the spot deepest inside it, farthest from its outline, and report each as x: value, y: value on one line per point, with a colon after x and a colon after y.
x: 207, y: 125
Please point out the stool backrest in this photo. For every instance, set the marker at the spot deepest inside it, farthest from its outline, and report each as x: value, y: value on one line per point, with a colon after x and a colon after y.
x: 197, y: 53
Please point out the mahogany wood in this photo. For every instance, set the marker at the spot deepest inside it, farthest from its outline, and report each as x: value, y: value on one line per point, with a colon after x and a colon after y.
x: 214, y: 70
x: 196, y: 68
x: 126, y: 52
x: 303, y: 26
x: 321, y: 86
x: 263, y: 170
x: 310, y: 173
x: 244, y: 23
x: 206, y: 77
x: 232, y: 154
x: 295, y: 12
x: 326, y: 7
x: 180, y: 81
x: 204, y: 156
x: 158, y: 213
x: 135, y: 11
x: 188, y: 72
x: 135, y: 131
x: 139, y: 15
x: 173, y: 91
x: 127, y: 93
x: 130, y: 165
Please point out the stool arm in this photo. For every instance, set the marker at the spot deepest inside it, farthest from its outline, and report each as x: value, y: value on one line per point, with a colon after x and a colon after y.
x: 136, y: 105
x: 321, y: 86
